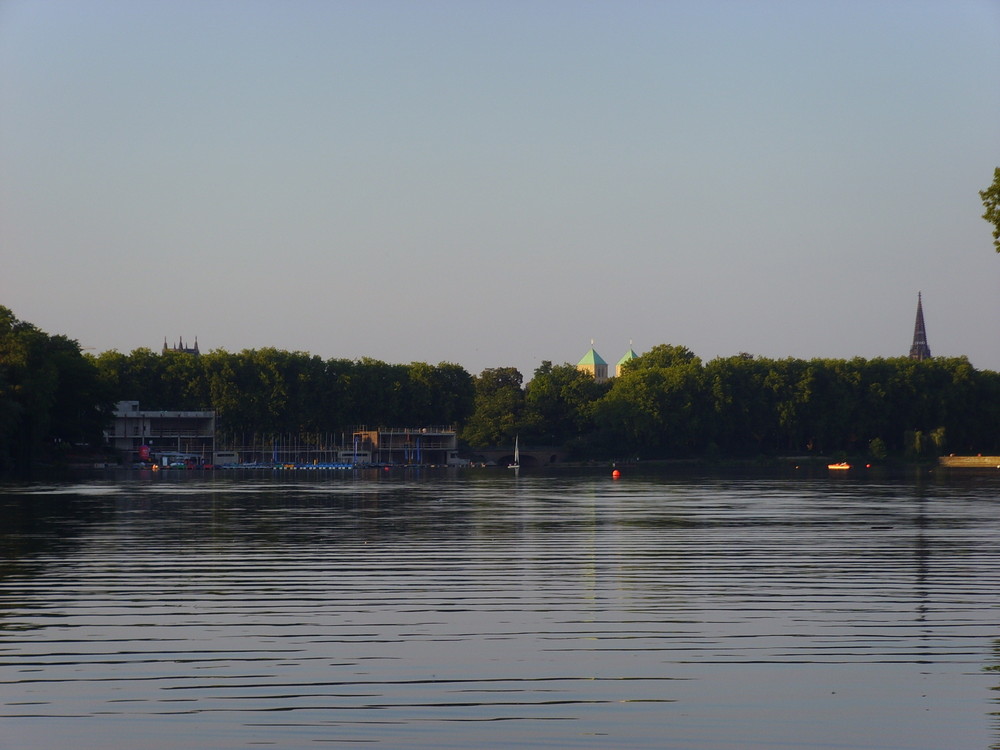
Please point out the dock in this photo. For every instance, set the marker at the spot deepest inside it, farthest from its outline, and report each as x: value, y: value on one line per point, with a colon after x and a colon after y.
x: 970, y: 462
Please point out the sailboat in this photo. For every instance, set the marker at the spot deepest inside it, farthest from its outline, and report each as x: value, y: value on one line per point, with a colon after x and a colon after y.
x: 517, y: 455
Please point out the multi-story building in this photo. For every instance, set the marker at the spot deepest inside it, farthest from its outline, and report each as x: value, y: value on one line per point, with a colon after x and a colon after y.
x: 408, y: 445
x: 158, y: 436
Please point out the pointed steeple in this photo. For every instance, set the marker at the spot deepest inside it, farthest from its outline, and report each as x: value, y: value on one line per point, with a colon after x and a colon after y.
x: 919, y: 350
x: 179, y: 346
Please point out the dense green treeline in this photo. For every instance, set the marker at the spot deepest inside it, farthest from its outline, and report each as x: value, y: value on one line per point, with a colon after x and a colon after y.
x: 51, y: 395
x: 275, y: 391
x: 667, y: 403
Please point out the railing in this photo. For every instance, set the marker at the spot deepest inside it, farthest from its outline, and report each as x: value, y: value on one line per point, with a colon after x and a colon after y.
x: 203, y: 434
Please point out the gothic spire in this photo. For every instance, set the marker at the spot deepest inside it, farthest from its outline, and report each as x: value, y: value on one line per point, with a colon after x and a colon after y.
x: 919, y: 349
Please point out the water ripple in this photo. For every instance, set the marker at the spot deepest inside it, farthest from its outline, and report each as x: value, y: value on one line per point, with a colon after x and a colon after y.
x: 573, y: 611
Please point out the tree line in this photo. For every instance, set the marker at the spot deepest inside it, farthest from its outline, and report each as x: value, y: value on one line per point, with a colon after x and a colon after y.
x: 666, y: 404
x: 275, y: 391
x: 51, y: 395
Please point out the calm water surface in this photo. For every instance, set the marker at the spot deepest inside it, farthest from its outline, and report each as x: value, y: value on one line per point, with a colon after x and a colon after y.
x: 487, y: 610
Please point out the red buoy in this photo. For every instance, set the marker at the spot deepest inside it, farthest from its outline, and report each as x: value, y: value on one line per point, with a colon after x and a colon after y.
x: 615, y: 474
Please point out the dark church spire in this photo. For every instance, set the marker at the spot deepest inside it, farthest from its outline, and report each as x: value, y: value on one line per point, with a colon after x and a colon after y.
x: 920, y: 350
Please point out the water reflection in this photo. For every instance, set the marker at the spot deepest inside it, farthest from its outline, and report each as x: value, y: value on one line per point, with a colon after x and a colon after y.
x: 484, y: 610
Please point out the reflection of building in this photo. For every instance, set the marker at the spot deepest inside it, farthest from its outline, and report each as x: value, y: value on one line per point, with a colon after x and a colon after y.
x: 594, y: 365
x: 919, y: 348
x: 404, y: 445
x: 187, y: 433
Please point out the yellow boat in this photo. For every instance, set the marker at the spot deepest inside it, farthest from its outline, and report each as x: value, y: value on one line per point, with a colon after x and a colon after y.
x: 843, y: 466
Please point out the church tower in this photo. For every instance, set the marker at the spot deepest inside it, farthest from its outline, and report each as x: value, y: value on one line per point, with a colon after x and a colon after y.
x: 626, y: 358
x: 919, y: 350
x: 179, y: 347
x: 594, y: 365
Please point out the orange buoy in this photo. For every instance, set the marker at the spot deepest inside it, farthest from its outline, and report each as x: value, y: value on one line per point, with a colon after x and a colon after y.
x: 615, y: 474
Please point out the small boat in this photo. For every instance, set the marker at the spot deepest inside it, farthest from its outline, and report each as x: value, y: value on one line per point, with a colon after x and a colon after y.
x: 517, y: 455
x: 842, y: 466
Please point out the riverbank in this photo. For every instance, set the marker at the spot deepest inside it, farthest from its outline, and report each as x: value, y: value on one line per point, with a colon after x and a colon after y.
x: 970, y: 462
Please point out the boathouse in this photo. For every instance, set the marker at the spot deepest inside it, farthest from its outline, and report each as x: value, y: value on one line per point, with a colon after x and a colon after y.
x: 147, y: 435
x: 409, y: 445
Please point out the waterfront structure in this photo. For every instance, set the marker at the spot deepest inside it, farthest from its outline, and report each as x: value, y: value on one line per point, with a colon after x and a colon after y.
x: 919, y: 350
x: 409, y: 445
x: 593, y: 364
x: 179, y: 347
x: 626, y: 358
x: 162, y: 436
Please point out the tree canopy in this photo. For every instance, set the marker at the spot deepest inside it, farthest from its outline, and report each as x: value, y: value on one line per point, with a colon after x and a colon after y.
x: 275, y: 391
x: 991, y: 202
x: 51, y: 395
x: 667, y: 404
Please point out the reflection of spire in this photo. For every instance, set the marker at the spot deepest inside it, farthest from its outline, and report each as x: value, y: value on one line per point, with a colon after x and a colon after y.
x: 919, y: 349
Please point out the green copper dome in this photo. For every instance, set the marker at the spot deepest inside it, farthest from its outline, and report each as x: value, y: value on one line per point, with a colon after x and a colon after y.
x: 627, y: 357
x: 591, y: 358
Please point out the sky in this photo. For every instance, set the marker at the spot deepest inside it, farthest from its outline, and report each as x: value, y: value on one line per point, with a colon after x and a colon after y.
x: 498, y: 183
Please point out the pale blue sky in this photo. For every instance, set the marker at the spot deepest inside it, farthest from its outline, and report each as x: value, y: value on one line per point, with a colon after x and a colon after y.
x: 498, y: 183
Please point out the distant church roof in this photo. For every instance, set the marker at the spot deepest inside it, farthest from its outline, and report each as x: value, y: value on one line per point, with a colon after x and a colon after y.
x: 627, y: 357
x: 591, y: 358
x: 919, y: 349
x: 179, y: 346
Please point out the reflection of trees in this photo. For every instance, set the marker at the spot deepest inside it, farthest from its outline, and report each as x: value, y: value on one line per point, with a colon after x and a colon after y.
x: 39, y: 527
x: 35, y: 523
x: 287, y: 510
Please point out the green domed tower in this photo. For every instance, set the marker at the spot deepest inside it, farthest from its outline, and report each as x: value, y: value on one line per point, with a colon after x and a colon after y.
x: 626, y: 358
x: 593, y: 364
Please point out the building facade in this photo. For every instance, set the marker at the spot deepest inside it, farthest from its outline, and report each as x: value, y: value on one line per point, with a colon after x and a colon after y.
x: 158, y: 436
x: 409, y: 445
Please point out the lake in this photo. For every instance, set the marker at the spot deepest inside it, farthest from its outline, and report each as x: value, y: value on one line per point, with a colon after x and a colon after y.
x: 488, y: 609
